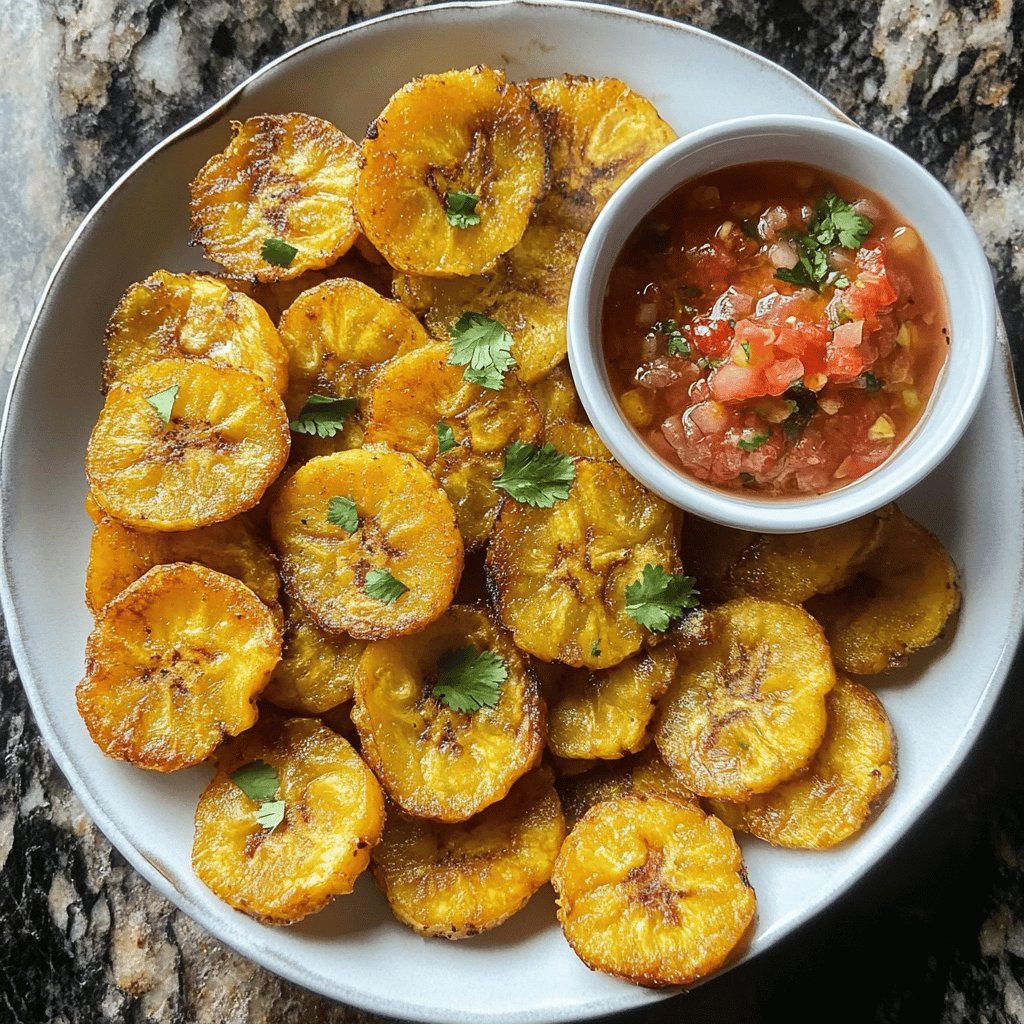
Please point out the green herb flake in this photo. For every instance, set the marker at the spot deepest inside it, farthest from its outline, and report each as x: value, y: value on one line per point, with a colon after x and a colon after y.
x: 482, y: 345
x: 595, y: 649
x: 469, y: 679
x: 753, y: 442
x: 461, y: 209
x: 257, y: 780
x: 163, y: 402
x: 445, y: 437
x: 745, y: 345
x: 677, y: 344
x: 278, y: 252
x: 658, y: 597
x: 872, y: 385
x: 271, y: 814
x: 537, y: 476
x: 342, y: 512
x: 383, y: 586
x: 323, y: 415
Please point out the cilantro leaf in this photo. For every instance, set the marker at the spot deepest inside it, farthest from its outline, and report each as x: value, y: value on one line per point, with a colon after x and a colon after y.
x: 257, y: 780
x: 468, y: 679
x: 751, y: 444
x: 322, y: 415
x: 658, y: 597
x: 342, y: 512
x: 595, y: 649
x: 871, y: 383
x: 461, y: 209
x: 270, y: 814
x: 837, y: 221
x: 278, y: 252
x: 482, y: 346
x: 811, y: 269
x: 163, y: 402
x: 677, y: 344
x: 383, y: 586
x: 536, y: 476
x: 445, y: 437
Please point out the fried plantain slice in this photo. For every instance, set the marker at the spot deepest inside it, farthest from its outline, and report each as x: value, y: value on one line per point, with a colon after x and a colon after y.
x: 850, y: 777
x: 559, y: 575
x: 181, y: 444
x: 284, y: 178
x: 578, y: 440
x: 396, y: 571
x: 338, y: 336
x: 900, y: 602
x: 317, y: 669
x: 652, y: 891
x: 469, y: 132
x: 456, y: 880
x: 747, y: 709
x: 119, y: 555
x: 192, y: 316
x: 555, y: 395
x: 606, y: 714
x: 418, y: 394
x: 527, y: 292
x: 788, y: 567
x: 174, y: 664
x: 435, y: 762
x: 333, y: 816
x: 599, y: 132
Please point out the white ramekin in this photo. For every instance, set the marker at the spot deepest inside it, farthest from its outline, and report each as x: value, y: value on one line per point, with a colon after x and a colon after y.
x: 921, y: 201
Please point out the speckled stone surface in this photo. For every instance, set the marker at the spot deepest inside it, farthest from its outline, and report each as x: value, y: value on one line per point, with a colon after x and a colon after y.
x: 935, y: 934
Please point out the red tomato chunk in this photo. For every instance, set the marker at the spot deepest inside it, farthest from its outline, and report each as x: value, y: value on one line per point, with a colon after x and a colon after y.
x: 774, y: 328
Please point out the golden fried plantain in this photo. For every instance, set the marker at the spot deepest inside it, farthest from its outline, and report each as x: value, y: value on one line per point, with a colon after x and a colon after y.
x: 560, y: 574
x: 181, y: 444
x: 555, y: 395
x: 788, y: 567
x: 174, y: 664
x: 396, y: 571
x: 333, y: 816
x: 419, y: 391
x: 599, y: 132
x: 900, y: 602
x: 119, y: 555
x: 579, y: 440
x: 460, y: 879
x: 606, y: 714
x: 192, y: 316
x: 284, y: 178
x: 338, y: 336
x: 527, y: 291
x: 468, y: 132
x: 747, y: 709
x: 850, y: 777
x: 435, y: 762
x: 317, y: 669
x: 652, y: 891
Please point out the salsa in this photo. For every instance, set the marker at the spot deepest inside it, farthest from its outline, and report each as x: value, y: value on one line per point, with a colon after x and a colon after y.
x: 774, y: 327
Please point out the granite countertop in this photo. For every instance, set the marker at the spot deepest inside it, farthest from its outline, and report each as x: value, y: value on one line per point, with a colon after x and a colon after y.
x: 935, y: 934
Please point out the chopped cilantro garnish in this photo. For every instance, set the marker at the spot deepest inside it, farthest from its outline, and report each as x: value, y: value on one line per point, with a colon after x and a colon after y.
x: 752, y: 442
x: 461, y: 209
x: 322, y: 415
x: 445, y: 437
x: 595, y: 649
x: 383, y: 586
x: 658, y: 597
x: 259, y: 782
x: 468, y: 679
x: 342, y: 512
x: 482, y: 346
x: 163, y: 402
x: 745, y: 345
x: 536, y: 476
x: 270, y: 814
x: 871, y: 383
x: 677, y: 344
x: 278, y: 252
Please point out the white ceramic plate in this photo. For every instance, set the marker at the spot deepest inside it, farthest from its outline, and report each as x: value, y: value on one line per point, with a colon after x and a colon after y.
x: 354, y: 951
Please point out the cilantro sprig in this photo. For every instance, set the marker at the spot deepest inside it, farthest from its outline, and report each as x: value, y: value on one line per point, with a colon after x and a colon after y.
x: 278, y: 252
x: 341, y: 511
x: 460, y: 208
x: 381, y: 585
x: 323, y: 415
x: 658, y: 597
x: 163, y: 402
x: 482, y: 345
x: 260, y: 783
x: 537, y: 476
x: 676, y: 343
x: 751, y: 442
x: 469, y: 679
x: 445, y: 437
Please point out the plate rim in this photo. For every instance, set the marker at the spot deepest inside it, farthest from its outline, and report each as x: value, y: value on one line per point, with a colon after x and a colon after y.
x: 152, y: 870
